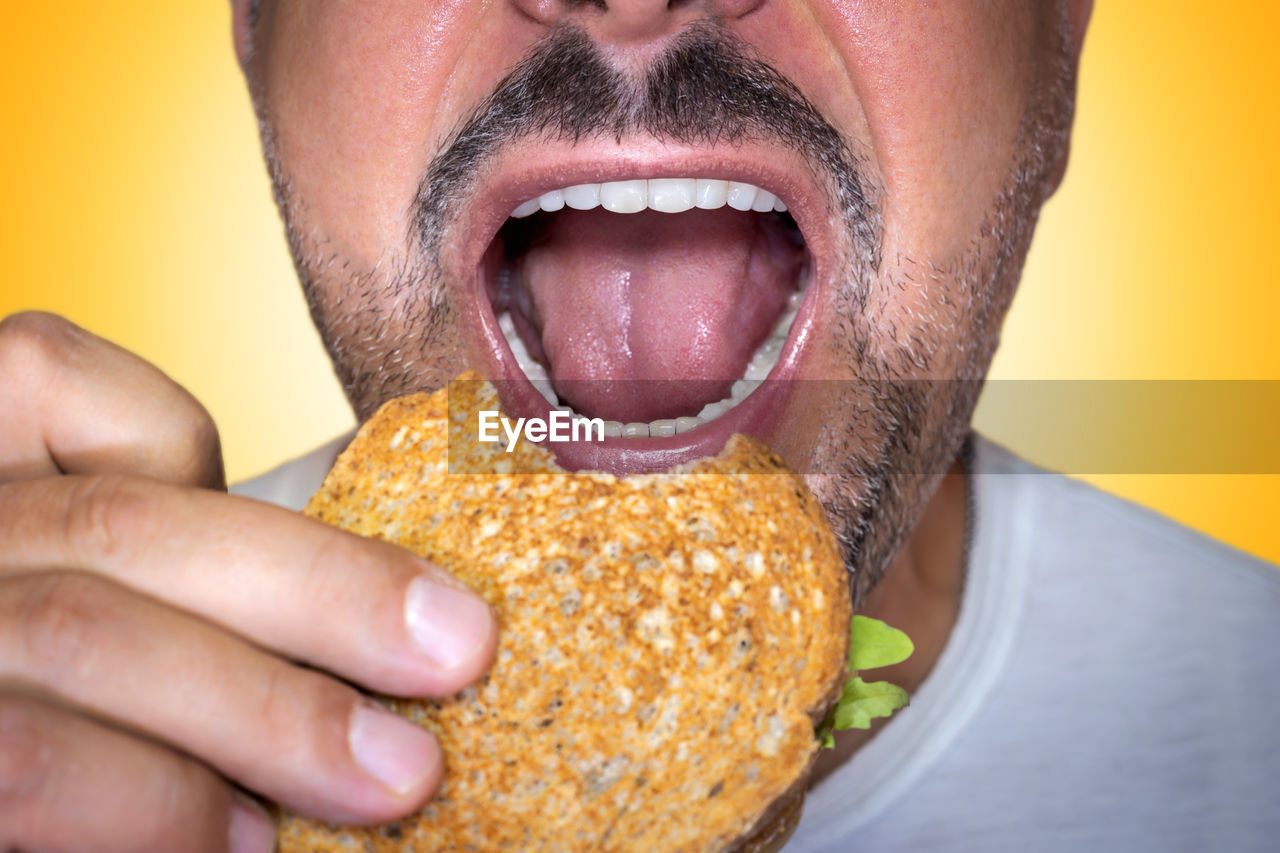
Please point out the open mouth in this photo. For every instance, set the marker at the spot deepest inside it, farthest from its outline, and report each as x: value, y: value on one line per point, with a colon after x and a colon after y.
x: 672, y: 308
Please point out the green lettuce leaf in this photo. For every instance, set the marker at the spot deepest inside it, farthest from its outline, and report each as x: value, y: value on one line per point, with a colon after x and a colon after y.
x: 872, y: 644
x: 862, y: 702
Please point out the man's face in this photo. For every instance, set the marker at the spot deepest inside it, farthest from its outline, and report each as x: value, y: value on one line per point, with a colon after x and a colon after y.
x: 911, y: 144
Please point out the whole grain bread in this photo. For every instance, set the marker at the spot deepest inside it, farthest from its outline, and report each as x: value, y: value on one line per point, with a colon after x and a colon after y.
x: 667, y: 642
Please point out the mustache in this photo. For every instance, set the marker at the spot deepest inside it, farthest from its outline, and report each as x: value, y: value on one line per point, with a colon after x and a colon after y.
x: 706, y: 88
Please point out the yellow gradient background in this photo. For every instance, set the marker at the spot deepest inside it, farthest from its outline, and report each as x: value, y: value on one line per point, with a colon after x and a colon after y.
x: 136, y: 204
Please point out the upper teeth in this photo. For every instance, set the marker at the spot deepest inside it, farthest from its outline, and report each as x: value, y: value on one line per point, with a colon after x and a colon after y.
x: 668, y: 195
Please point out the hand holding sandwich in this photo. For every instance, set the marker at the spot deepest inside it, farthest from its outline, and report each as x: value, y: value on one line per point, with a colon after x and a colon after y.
x: 163, y: 643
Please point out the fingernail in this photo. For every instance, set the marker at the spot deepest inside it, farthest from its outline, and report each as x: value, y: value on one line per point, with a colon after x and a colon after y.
x: 449, y: 625
x: 391, y: 749
x: 250, y: 830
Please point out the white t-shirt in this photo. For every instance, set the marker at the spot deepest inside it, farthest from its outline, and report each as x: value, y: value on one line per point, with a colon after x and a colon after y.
x: 1112, y: 684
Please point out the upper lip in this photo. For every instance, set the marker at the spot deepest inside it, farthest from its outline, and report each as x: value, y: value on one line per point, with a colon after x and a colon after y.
x: 525, y: 171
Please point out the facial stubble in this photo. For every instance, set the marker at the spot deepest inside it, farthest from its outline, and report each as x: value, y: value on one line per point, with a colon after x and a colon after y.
x: 891, y: 433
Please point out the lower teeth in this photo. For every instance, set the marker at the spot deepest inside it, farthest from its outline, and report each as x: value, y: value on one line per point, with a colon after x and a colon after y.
x: 758, y: 368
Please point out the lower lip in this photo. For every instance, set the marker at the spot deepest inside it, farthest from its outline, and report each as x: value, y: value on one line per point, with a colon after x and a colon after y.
x: 758, y: 415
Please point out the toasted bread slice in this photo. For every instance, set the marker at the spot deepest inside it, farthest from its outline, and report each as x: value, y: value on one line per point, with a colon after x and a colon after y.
x: 667, y: 642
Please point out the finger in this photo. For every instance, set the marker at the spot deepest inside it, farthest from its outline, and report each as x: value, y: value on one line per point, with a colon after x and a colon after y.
x: 370, y: 611
x: 69, y: 784
x: 75, y: 403
x: 292, y: 734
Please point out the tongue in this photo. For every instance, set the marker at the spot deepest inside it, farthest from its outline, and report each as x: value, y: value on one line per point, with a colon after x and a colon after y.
x: 652, y: 315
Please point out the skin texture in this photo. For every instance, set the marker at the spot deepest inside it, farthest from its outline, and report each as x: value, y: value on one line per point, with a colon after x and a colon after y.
x: 953, y: 116
x: 152, y: 627
x: 129, y: 582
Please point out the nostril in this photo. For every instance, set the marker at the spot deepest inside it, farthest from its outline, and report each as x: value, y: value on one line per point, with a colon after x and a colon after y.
x: 736, y: 8
x: 545, y: 12
x: 628, y: 20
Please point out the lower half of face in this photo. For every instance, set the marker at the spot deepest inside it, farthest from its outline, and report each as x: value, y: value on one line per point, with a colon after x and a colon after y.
x: 686, y: 248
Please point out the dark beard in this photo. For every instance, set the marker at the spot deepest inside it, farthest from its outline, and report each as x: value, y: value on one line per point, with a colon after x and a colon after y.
x: 919, y: 426
x: 395, y: 331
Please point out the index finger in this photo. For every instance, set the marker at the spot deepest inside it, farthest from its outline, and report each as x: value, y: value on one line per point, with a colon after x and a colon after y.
x: 367, y: 610
x: 76, y: 403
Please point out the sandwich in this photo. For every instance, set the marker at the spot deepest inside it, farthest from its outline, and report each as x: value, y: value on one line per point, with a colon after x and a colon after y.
x: 673, y: 648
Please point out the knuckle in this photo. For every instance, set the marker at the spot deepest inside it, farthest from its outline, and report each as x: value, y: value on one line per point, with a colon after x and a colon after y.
x: 59, y: 617
x: 185, y: 811
x: 338, y: 563
x: 287, y: 696
x: 26, y: 756
x: 196, y: 442
x: 274, y: 703
x: 109, y: 517
x: 181, y: 435
x: 201, y: 432
x: 33, y: 341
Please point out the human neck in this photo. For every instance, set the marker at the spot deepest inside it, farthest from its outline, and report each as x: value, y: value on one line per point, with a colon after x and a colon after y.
x: 919, y: 594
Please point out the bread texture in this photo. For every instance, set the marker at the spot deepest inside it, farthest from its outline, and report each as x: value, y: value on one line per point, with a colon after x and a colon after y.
x: 667, y: 642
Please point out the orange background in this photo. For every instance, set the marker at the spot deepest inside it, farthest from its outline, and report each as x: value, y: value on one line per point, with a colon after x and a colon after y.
x: 136, y: 203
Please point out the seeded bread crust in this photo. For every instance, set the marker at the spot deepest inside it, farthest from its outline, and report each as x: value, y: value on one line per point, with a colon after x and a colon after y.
x: 666, y: 641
